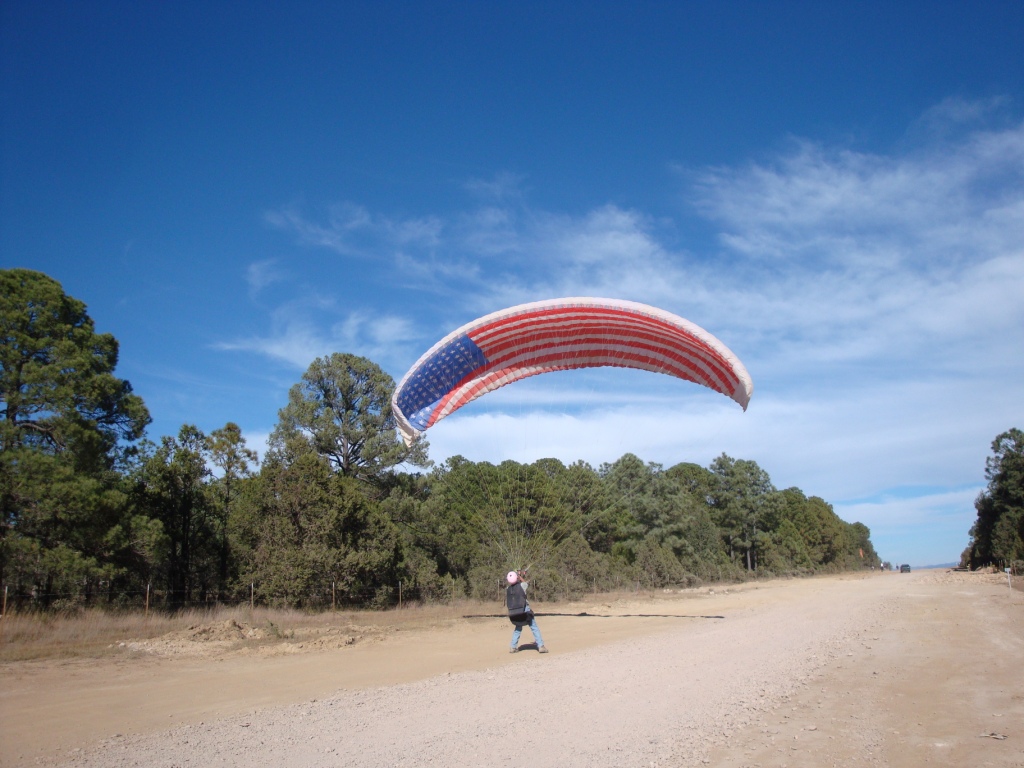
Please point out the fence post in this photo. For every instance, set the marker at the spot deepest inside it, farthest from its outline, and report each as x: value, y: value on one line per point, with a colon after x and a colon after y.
x: 334, y: 595
x: 147, y: 601
x: 252, y: 596
x: 3, y: 611
x: 399, y: 595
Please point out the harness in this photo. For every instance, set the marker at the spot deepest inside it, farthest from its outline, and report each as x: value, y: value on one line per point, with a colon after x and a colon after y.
x: 518, y: 609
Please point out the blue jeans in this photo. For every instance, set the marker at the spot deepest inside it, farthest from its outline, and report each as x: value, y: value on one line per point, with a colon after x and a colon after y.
x: 533, y: 628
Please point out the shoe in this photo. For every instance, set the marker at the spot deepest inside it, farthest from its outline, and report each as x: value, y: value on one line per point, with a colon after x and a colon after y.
x: 513, y: 650
x: 542, y: 649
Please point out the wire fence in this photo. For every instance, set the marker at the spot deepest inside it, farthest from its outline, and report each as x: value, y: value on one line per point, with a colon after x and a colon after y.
x: 329, y: 597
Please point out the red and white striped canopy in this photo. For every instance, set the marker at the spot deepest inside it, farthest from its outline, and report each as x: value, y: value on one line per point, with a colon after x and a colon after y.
x: 556, y: 335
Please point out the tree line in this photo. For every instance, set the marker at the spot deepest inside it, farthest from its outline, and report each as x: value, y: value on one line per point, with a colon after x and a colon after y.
x: 339, y: 511
x: 997, y: 535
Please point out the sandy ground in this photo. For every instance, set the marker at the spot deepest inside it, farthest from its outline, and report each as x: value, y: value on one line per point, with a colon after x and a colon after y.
x: 883, y: 669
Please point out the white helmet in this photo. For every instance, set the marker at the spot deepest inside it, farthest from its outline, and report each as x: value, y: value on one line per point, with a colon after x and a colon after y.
x: 512, y: 577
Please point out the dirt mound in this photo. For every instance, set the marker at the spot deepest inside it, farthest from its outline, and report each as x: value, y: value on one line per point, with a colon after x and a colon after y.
x: 226, y: 630
x: 231, y: 637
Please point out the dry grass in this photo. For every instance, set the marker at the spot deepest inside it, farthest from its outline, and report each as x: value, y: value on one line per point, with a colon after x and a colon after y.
x: 96, y: 633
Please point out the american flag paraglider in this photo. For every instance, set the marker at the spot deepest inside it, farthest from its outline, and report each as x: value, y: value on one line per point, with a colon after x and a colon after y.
x: 555, y: 335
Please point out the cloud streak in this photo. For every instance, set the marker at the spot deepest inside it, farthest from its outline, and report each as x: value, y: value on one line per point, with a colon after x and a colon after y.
x: 352, y: 230
x: 304, y: 330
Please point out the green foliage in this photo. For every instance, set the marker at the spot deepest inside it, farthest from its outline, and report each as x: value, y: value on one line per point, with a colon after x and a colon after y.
x: 629, y: 523
x: 785, y: 552
x: 65, y: 422
x: 480, y: 520
x: 171, y: 485
x: 744, y: 503
x: 57, y: 386
x: 655, y: 565
x: 308, y: 528
x: 997, y: 536
x: 341, y: 410
x: 228, y: 454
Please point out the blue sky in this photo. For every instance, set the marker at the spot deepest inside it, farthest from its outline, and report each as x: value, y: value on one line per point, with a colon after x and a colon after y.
x: 834, y: 190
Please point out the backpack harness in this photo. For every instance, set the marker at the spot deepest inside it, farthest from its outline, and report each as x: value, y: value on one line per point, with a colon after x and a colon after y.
x: 518, y: 609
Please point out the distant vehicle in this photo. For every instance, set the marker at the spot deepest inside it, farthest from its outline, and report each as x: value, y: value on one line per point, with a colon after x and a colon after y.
x: 904, y: 568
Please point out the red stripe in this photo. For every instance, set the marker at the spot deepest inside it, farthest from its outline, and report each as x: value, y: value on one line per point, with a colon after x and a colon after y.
x: 555, y: 317
x: 490, y: 373
x: 713, y: 378
x: 575, y: 328
x: 670, y: 347
x: 571, y: 313
x: 582, y: 317
x: 684, y: 365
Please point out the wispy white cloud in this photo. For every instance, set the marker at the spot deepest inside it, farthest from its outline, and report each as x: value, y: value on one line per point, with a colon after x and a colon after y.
x: 335, y: 235
x: 502, y: 187
x: 886, y: 258
x: 298, y: 334
x: 921, y: 528
x: 352, y: 230
x: 835, y: 443
x: 952, y: 115
x: 295, y: 341
x: 261, y: 274
x: 610, y: 251
x: 257, y: 440
x: 910, y: 508
x: 827, y: 209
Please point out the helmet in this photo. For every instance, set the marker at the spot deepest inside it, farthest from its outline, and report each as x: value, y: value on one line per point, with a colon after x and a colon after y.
x: 512, y: 577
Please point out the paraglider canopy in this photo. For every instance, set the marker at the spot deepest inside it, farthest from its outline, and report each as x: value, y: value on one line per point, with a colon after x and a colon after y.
x: 558, y: 335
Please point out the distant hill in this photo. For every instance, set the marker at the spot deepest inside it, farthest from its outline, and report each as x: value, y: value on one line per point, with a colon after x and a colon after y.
x: 940, y: 565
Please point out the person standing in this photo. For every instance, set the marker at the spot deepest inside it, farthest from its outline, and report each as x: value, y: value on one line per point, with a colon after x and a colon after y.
x: 519, y: 611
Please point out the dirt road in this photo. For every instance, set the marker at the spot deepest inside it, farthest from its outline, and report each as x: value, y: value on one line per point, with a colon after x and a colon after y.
x: 881, y: 669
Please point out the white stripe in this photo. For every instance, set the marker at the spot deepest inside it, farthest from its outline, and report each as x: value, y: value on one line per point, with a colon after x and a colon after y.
x: 641, y: 312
